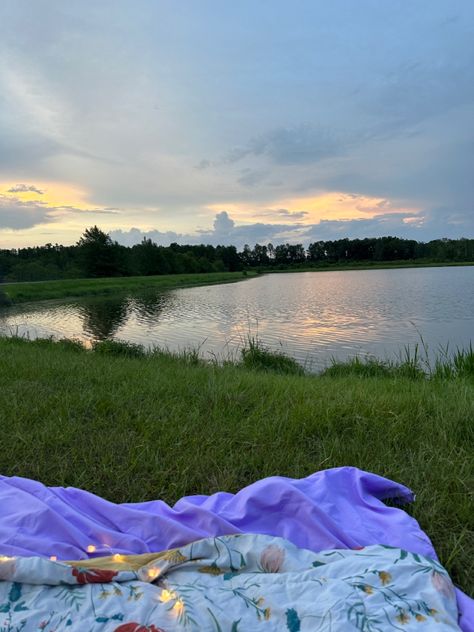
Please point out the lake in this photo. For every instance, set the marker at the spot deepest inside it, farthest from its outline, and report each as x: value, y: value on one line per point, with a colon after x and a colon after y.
x: 312, y: 316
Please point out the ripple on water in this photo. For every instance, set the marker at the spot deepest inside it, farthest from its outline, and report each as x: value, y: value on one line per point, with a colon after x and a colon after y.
x: 311, y: 316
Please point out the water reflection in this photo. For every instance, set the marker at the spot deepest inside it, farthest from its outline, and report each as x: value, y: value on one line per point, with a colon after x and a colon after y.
x: 149, y: 305
x: 102, y: 318
x: 311, y: 316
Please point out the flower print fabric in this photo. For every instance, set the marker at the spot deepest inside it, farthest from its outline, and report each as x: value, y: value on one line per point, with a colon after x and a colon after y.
x: 257, y: 583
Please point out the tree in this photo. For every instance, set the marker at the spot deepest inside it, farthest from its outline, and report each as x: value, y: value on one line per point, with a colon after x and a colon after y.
x: 98, y: 254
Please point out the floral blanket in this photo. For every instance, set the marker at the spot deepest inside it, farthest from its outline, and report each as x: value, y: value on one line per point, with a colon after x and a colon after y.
x: 236, y: 583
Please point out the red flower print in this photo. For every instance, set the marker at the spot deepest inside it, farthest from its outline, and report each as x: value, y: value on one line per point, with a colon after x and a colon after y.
x: 443, y: 584
x: 136, y: 627
x: 93, y: 575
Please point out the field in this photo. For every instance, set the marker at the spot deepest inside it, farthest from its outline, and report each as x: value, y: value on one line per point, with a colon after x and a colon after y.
x: 159, y: 426
x: 44, y: 290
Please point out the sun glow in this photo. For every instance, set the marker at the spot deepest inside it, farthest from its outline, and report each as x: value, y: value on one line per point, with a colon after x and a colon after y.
x: 333, y: 205
x: 48, y: 194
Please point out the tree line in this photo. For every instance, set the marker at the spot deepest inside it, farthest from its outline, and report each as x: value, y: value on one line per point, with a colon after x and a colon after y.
x: 97, y: 255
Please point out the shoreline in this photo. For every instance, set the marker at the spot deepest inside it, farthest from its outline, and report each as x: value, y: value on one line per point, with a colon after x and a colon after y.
x: 32, y: 291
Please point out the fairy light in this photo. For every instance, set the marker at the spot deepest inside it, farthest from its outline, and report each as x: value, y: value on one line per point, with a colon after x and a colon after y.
x: 118, y: 558
x: 53, y: 558
x: 91, y: 548
x: 5, y: 558
x: 153, y: 572
x: 178, y: 607
x: 167, y: 595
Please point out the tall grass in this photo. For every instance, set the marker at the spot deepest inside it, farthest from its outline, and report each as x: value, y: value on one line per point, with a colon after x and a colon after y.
x: 44, y: 290
x: 255, y: 355
x: 135, y: 428
x: 410, y: 364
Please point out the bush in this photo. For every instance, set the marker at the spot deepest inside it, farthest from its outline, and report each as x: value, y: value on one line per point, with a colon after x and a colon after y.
x: 4, y: 299
x: 258, y: 357
x: 119, y: 348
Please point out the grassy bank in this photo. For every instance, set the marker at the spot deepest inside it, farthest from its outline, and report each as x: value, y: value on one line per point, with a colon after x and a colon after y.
x: 368, y: 265
x: 138, y: 428
x: 43, y: 290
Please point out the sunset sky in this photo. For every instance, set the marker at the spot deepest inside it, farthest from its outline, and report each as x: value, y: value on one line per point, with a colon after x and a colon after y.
x: 236, y: 122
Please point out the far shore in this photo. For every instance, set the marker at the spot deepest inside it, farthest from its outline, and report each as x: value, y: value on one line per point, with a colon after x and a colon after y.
x: 31, y: 291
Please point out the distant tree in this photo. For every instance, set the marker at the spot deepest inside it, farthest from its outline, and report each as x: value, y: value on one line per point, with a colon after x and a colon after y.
x: 316, y: 251
x: 271, y: 252
x: 260, y: 255
x: 246, y: 256
x: 229, y: 257
x: 98, y: 254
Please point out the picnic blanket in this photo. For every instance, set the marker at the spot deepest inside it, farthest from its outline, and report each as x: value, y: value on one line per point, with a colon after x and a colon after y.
x: 340, y: 508
x: 230, y: 583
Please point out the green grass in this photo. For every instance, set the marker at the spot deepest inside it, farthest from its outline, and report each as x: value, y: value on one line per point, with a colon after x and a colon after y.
x: 43, y: 290
x: 257, y: 357
x: 368, y: 265
x: 134, y: 427
x: 411, y: 364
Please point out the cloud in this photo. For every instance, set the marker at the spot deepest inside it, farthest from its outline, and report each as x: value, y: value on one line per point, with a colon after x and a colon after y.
x: 88, y: 211
x: 302, y: 144
x: 135, y: 236
x: 423, y: 227
x: 372, y: 97
x: 251, y: 177
x: 25, y: 188
x: 223, y: 224
x: 283, y: 212
x: 17, y: 214
x: 203, y: 164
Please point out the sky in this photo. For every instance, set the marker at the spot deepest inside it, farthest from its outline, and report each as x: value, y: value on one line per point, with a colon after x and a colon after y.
x: 215, y: 121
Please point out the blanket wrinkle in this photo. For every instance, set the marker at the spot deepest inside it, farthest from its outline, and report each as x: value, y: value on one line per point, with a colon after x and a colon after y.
x: 336, y: 508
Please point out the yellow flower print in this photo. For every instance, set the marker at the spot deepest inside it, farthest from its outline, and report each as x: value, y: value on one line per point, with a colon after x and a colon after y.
x: 402, y: 618
x: 174, y: 556
x: 385, y: 577
x: 212, y: 569
x: 267, y: 613
x: 367, y: 589
x: 420, y: 617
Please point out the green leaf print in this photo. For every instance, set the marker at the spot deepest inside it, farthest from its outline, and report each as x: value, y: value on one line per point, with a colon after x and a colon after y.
x: 15, y: 592
x: 293, y: 622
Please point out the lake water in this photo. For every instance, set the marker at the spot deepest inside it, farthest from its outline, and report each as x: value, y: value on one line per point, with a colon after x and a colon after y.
x: 312, y: 316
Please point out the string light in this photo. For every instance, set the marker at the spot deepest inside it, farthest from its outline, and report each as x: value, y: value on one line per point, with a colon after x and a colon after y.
x: 53, y: 558
x: 5, y: 558
x: 153, y: 573
x: 178, y: 607
x: 167, y: 595
x: 118, y: 558
x: 91, y: 548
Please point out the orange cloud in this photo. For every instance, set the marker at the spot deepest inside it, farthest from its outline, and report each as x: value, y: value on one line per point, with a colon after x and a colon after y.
x: 48, y: 194
x: 312, y: 209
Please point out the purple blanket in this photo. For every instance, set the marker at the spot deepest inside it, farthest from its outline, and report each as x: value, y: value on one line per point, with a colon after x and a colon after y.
x: 337, y: 508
